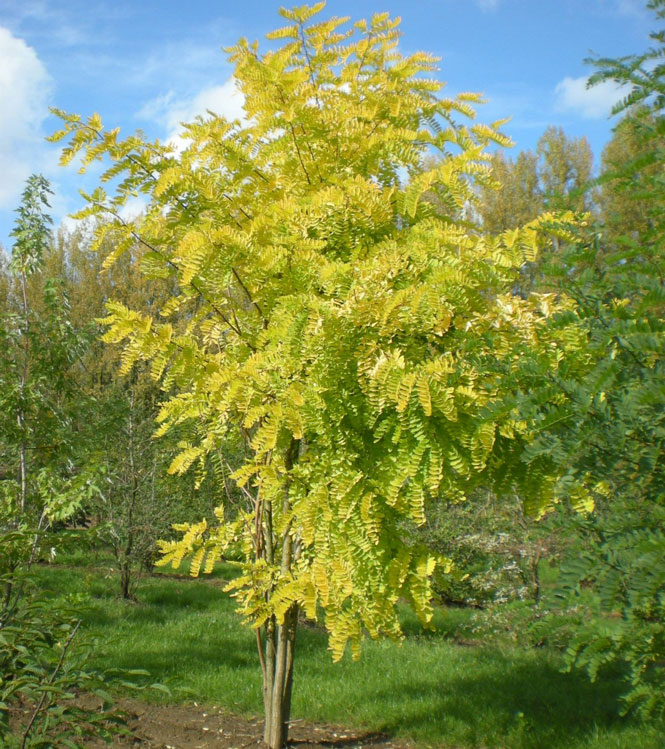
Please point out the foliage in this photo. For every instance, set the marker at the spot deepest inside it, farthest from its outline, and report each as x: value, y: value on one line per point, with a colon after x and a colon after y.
x: 518, y: 199
x: 39, y: 482
x: 31, y: 230
x: 134, y: 502
x: 42, y: 659
x: 137, y: 502
x: 629, y: 574
x: 46, y: 399
x: 607, y: 421
x: 557, y: 175
x: 496, y: 549
x: 44, y: 667
x: 625, y: 206
x: 564, y: 170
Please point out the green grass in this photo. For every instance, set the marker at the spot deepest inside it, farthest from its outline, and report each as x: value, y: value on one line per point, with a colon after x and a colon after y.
x: 428, y: 689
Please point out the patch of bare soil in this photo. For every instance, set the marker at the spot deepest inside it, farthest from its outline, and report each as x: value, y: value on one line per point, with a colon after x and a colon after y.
x: 196, y: 726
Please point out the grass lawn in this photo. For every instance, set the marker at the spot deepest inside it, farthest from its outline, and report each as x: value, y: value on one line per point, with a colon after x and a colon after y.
x: 429, y: 689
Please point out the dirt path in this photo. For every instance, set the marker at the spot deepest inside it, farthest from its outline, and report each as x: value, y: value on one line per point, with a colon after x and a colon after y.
x: 193, y: 726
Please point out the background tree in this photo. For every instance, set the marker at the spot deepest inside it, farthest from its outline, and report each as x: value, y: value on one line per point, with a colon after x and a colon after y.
x: 564, y: 170
x: 43, y: 481
x: 135, y: 503
x: 519, y: 197
x: 40, y: 480
x: 556, y: 176
x: 606, y: 418
x: 32, y: 234
x: 626, y: 207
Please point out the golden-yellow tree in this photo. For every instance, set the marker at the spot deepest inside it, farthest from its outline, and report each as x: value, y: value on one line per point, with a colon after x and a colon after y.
x: 357, y: 339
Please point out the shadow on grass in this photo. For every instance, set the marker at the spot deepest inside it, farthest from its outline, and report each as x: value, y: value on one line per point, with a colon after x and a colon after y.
x: 189, y: 630
x: 526, y: 704
x: 201, y: 657
x: 363, y: 739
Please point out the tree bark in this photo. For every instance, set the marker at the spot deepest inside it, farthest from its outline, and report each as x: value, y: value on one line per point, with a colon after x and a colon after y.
x: 278, y: 700
x: 23, y: 467
x: 125, y: 579
x: 280, y: 645
x: 126, y: 562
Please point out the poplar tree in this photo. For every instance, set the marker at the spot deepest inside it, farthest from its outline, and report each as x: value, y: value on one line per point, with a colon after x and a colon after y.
x: 628, y: 210
x: 355, y: 340
x: 31, y: 234
x: 556, y: 176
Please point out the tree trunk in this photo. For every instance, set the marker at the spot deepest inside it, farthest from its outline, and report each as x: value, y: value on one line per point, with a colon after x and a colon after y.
x: 125, y: 579
x: 277, y: 665
x: 279, y: 671
x: 126, y: 562
x: 21, y: 418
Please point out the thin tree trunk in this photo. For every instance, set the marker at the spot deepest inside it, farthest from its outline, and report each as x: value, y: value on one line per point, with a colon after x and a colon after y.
x: 126, y: 562
x: 278, y: 714
x: 23, y: 463
x: 535, y: 574
x: 20, y: 417
x: 270, y: 627
x: 125, y: 579
x: 288, y: 685
x: 277, y: 695
x: 269, y: 676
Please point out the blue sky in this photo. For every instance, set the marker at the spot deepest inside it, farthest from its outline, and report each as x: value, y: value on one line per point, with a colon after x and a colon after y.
x: 150, y: 64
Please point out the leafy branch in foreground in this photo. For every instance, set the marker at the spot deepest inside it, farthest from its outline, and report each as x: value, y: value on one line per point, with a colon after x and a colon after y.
x: 50, y: 693
x: 609, y: 423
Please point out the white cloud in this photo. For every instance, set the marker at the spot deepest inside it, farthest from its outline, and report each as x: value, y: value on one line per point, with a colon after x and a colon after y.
x: 593, y: 103
x: 25, y: 88
x: 133, y: 208
x: 69, y: 224
x: 226, y: 100
x: 635, y: 8
x: 488, y: 4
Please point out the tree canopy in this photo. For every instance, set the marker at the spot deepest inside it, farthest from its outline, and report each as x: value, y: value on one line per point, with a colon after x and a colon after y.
x: 357, y: 342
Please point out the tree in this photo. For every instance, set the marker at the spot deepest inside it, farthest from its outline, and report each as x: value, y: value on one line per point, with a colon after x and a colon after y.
x: 604, y: 416
x: 556, y: 176
x: 32, y: 234
x: 564, y: 170
x: 519, y: 197
x: 43, y: 472
x: 627, y: 205
x: 42, y: 658
x: 135, y: 503
x: 39, y: 348
x: 356, y: 343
